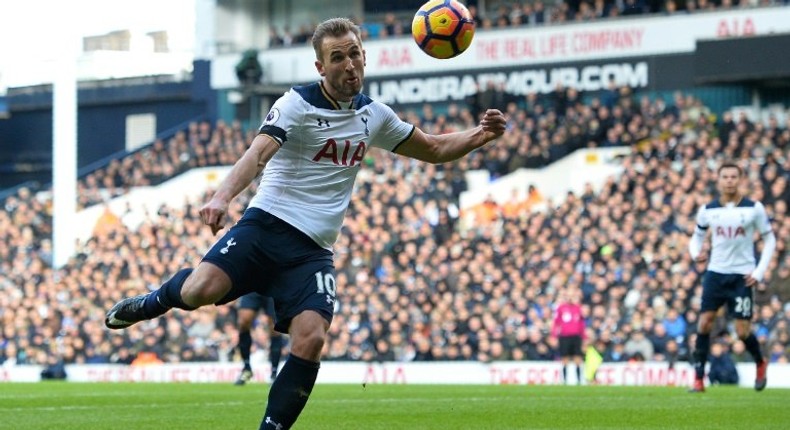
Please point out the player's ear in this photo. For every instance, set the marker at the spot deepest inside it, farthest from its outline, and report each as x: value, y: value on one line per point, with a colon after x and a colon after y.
x: 364, y: 58
x: 320, y: 67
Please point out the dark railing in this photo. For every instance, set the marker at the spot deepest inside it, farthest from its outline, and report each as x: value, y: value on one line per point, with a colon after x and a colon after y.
x: 8, y: 192
x: 103, y: 162
x: 98, y: 164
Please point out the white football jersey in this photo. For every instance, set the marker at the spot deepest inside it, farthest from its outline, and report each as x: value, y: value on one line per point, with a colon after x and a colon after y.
x: 309, y: 180
x: 732, y: 229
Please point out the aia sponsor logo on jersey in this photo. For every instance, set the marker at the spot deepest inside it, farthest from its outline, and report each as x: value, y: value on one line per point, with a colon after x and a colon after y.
x: 730, y: 232
x: 342, y: 154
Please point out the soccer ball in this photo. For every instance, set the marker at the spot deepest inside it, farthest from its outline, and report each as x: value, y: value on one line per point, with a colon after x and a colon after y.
x: 443, y: 28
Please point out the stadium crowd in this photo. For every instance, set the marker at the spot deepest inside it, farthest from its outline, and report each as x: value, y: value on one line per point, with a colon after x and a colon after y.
x: 417, y: 281
x: 529, y: 13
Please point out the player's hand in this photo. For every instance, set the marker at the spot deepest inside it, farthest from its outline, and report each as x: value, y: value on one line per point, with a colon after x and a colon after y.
x: 493, y: 124
x: 750, y: 281
x: 702, y: 258
x: 213, y: 215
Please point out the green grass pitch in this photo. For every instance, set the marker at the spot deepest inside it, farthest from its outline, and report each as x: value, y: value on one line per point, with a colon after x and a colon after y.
x: 77, y: 406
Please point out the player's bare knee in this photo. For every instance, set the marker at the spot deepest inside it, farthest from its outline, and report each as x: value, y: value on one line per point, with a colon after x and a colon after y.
x: 743, y: 332
x: 206, y: 285
x: 200, y: 292
x: 245, y: 319
x: 308, y: 344
x: 206, y: 295
x: 313, y: 341
x: 705, y: 325
x: 245, y: 325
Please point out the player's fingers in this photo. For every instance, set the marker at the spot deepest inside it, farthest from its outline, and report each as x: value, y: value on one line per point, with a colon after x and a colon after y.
x: 206, y: 217
x: 211, y: 218
x: 215, y: 226
x: 217, y: 221
x: 493, y: 125
x: 494, y: 118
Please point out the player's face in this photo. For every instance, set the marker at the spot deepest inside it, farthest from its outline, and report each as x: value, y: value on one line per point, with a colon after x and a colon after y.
x: 729, y: 180
x: 342, y: 65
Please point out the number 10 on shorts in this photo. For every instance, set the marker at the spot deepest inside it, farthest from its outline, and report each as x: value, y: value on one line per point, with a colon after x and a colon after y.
x: 326, y: 283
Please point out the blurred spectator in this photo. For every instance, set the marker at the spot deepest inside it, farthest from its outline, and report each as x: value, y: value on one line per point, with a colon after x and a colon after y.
x: 616, y: 353
x: 722, y: 368
x: 54, y: 370
x: 779, y: 284
x: 675, y: 325
x: 146, y: 359
x: 638, y: 347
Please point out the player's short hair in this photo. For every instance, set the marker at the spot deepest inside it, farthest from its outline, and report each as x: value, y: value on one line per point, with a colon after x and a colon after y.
x: 730, y: 165
x: 333, y: 27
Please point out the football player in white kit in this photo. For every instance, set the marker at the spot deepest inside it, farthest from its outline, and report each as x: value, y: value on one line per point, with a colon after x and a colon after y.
x: 311, y: 144
x: 733, y: 221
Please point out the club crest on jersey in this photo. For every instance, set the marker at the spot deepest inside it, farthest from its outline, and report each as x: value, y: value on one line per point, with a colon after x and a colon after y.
x: 228, y: 244
x: 342, y: 154
x: 367, y: 130
x: 272, y: 117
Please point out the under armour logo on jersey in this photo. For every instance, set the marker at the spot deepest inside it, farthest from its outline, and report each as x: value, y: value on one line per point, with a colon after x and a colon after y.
x: 277, y: 426
x: 323, y: 122
x: 330, y: 300
x: 228, y: 244
x: 367, y: 130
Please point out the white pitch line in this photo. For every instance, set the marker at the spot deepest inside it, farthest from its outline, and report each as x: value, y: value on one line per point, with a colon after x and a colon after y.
x: 239, y: 403
x: 147, y: 406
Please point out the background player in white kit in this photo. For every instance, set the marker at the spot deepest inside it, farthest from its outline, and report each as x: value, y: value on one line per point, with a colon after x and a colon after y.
x: 311, y: 144
x: 731, y: 273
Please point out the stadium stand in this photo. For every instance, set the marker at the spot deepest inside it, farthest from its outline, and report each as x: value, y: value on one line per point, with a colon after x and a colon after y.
x: 530, y: 13
x: 415, y: 287
x: 200, y: 145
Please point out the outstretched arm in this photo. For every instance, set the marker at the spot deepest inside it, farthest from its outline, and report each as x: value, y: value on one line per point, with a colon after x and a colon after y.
x: 452, y: 146
x: 250, y: 165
